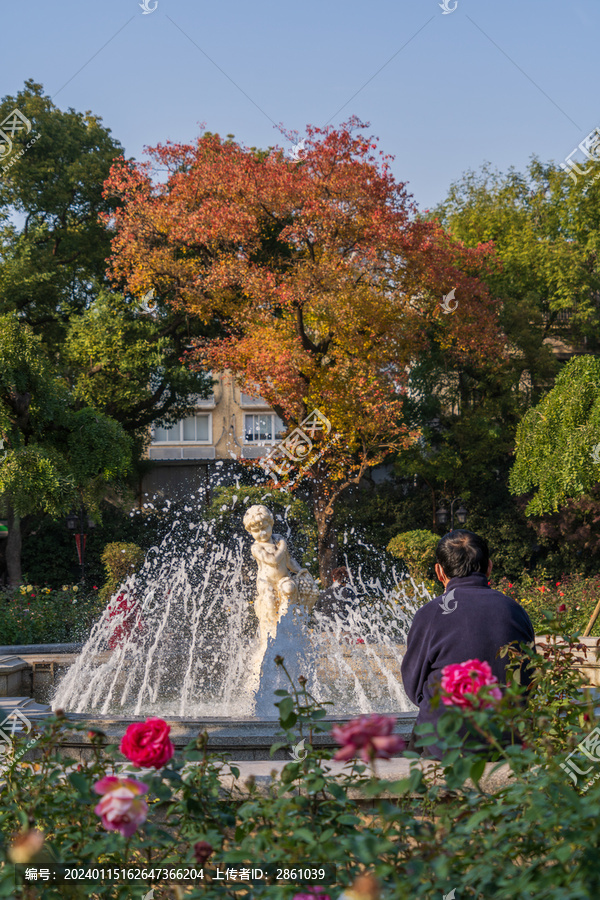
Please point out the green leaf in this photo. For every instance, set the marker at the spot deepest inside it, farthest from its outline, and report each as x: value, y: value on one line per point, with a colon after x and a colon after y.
x: 347, y: 819
x: 162, y: 791
x: 80, y: 783
x: 477, y: 770
x: 278, y: 746
x: 449, y: 724
x: 289, y: 721
x: 305, y: 835
x: 285, y: 706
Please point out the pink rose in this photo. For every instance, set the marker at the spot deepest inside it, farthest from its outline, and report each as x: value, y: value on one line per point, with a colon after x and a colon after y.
x: 469, y: 678
x: 368, y: 736
x: 147, y: 743
x: 121, y: 808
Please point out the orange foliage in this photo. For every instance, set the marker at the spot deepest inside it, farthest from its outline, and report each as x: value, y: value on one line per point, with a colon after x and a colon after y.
x: 322, y: 279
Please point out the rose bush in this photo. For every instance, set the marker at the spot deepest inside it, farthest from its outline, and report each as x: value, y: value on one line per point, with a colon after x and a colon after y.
x: 35, y: 614
x: 539, y: 594
x: 535, y: 835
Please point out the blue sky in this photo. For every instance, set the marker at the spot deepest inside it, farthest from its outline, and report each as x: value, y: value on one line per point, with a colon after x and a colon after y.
x: 495, y: 80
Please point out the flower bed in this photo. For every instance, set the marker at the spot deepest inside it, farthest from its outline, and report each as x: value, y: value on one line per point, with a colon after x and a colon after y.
x: 33, y: 614
x: 573, y: 598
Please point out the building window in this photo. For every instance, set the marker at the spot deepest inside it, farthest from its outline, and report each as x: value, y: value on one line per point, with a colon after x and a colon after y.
x: 192, y: 429
x: 263, y: 427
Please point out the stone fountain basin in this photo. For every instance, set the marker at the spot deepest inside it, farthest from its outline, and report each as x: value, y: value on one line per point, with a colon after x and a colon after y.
x: 241, y: 739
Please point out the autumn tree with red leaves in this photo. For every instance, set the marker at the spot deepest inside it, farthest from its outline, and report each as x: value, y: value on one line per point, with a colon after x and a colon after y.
x: 319, y: 277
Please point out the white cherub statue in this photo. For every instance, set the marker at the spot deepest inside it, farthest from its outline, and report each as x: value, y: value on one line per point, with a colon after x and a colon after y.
x: 280, y: 579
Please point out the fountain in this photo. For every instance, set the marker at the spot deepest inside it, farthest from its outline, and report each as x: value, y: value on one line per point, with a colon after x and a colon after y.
x: 192, y: 639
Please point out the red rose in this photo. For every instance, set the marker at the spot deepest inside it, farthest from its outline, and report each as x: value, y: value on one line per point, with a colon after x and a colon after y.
x: 562, y: 607
x: 202, y: 850
x: 147, y: 743
x: 369, y: 737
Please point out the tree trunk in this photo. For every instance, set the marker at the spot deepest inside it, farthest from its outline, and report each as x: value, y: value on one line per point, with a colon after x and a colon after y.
x: 327, y: 544
x: 13, y: 548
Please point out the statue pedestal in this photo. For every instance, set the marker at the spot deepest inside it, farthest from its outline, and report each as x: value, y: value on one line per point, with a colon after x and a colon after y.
x: 292, y: 643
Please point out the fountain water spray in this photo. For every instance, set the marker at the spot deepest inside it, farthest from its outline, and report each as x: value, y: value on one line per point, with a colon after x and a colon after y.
x: 184, y: 636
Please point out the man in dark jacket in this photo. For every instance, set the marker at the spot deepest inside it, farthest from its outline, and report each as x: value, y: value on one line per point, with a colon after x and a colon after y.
x: 472, y: 621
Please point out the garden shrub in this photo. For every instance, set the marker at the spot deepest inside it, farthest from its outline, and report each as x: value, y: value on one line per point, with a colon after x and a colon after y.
x: 120, y: 561
x: 417, y: 550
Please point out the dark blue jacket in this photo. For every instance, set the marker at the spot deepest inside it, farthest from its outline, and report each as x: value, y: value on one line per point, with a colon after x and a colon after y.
x: 482, y: 621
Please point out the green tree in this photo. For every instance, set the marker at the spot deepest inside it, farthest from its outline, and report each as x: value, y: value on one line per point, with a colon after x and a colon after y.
x: 417, y: 550
x: 49, y: 263
x: 107, y: 352
x: 557, y: 454
x: 546, y: 231
x: 118, y: 358
x: 127, y: 363
x: 58, y: 454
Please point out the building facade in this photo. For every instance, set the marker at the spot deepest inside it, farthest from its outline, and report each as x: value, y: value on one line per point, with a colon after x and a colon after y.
x: 231, y: 425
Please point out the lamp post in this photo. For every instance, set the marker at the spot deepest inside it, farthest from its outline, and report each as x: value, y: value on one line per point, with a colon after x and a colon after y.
x: 76, y: 523
x: 441, y: 516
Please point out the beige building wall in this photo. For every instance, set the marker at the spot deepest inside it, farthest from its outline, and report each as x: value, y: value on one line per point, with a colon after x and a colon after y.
x: 229, y: 425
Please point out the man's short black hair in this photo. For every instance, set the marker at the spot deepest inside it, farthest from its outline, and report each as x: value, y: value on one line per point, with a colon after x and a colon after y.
x: 461, y: 553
